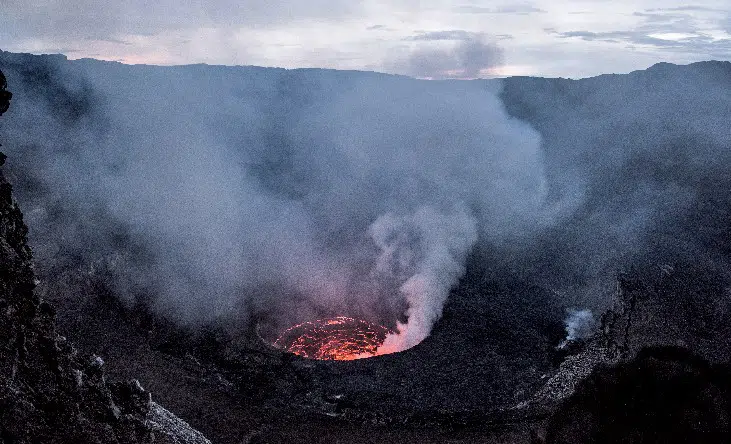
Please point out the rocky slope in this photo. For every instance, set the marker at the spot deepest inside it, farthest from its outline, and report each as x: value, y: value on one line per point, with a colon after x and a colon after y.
x: 49, y: 392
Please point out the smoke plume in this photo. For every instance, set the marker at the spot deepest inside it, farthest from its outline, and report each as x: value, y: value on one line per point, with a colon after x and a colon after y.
x: 580, y: 324
x: 425, y: 252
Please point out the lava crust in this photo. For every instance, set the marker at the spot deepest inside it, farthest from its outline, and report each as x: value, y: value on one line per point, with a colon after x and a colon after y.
x: 338, y: 339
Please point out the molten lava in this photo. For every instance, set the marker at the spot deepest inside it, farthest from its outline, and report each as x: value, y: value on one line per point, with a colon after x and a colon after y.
x: 340, y: 339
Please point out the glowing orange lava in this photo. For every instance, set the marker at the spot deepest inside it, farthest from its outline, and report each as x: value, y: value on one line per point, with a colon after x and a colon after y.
x: 339, y: 339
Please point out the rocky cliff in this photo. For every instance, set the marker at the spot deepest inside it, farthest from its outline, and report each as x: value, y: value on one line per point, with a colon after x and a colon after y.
x: 49, y: 392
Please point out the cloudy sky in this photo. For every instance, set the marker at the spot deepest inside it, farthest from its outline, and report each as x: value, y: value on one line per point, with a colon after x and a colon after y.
x: 422, y: 38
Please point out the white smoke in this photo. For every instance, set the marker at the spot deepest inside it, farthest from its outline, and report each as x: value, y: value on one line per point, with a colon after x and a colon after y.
x: 580, y: 324
x: 425, y: 253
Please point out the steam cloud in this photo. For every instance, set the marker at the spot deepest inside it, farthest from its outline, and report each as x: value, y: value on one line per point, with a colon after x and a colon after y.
x: 580, y: 324
x: 299, y: 194
x: 472, y: 56
x: 220, y: 193
x: 426, y: 275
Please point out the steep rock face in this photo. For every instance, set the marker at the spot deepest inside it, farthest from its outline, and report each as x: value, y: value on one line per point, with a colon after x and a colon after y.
x: 656, y: 371
x: 664, y: 394
x: 5, y: 95
x: 49, y: 393
x: 680, y: 306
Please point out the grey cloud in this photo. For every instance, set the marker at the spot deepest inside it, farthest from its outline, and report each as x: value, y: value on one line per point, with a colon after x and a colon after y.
x: 674, y: 20
x: 586, y: 35
x: 617, y: 36
x: 519, y: 8
x: 115, y: 41
x: 456, y: 34
x: 657, y: 23
x: 701, y: 44
x: 467, y: 59
x: 74, y: 20
x: 684, y: 8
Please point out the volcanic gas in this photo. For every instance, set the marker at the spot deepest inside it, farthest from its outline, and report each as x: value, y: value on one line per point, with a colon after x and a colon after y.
x: 339, y: 339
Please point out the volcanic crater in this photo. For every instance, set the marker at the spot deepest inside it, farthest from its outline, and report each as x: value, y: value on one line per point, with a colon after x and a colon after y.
x: 491, y: 370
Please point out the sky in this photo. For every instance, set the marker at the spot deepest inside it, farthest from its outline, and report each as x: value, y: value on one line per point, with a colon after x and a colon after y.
x: 420, y: 38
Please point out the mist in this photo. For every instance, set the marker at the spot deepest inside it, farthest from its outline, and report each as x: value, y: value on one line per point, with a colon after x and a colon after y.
x: 243, y: 193
x: 299, y: 193
x: 642, y: 159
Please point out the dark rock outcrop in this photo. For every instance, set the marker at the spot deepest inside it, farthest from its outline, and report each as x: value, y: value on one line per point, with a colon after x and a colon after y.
x: 5, y: 95
x: 657, y: 370
x: 49, y: 392
x: 665, y: 394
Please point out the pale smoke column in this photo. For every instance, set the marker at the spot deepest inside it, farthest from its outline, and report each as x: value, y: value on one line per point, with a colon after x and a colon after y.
x: 425, y: 254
